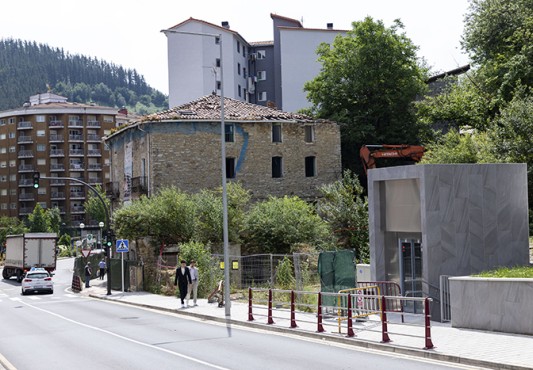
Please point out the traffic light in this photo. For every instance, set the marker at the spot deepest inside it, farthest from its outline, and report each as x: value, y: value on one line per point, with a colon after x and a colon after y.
x: 36, y: 176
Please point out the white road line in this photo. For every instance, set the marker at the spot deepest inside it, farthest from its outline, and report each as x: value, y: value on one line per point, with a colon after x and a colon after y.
x: 17, y: 299
x: 126, y: 338
x: 34, y: 298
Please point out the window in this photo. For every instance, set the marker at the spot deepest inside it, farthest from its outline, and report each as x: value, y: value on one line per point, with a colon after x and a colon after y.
x: 4, y: 205
x: 3, y: 150
x: 41, y: 162
x: 244, y: 72
x: 230, y: 168
x: 12, y: 163
x: 3, y: 178
x: 3, y: 192
x: 230, y: 132
x: 244, y: 51
x: 43, y: 205
x: 276, y: 133
x: 217, y: 40
x: 13, y: 177
x: 218, y: 62
x: 3, y: 164
x: 309, y: 134
x: 13, y: 206
x: 41, y: 147
x: 238, y: 47
x: 40, y: 132
x: 239, y: 69
x: 12, y: 191
x: 219, y: 85
x: 239, y: 90
x: 12, y: 149
x: 263, y: 96
x: 261, y: 75
x: 40, y: 118
x: 108, y: 119
x: 2, y: 122
x: 261, y: 54
x: 310, y: 166
x: 11, y: 120
x: 276, y: 167
x: 41, y: 190
x: 2, y: 136
x: 245, y: 95
x: 11, y: 135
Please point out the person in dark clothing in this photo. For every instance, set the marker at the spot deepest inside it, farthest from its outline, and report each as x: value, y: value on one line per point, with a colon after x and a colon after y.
x: 182, y: 280
x: 88, y: 272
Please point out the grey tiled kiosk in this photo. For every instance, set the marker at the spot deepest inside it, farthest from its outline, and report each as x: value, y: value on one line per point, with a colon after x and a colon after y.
x: 431, y: 220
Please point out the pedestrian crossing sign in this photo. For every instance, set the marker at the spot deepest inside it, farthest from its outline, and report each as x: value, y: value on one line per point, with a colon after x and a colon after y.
x: 123, y: 245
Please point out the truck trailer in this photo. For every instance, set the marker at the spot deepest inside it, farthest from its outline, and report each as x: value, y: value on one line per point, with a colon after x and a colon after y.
x: 29, y: 250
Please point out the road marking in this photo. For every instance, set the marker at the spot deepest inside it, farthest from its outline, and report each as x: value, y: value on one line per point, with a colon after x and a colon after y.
x: 34, y: 298
x: 17, y: 299
x: 126, y: 338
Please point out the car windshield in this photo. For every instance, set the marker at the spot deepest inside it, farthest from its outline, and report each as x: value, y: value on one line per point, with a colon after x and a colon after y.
x: 37, y: 276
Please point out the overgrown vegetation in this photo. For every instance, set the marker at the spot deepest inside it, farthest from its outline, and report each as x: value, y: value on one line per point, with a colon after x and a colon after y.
x: 509, y: 272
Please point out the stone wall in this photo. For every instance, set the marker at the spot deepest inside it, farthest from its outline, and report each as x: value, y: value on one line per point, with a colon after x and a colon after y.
x: 187, y: 155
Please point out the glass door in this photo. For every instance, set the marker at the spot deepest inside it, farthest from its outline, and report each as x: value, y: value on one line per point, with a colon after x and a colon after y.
x: 411, y: 272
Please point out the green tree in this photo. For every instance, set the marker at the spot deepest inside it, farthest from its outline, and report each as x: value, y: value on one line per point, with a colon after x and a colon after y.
x: 278, y: 224
x: 38, y: 220
x: 10, y: 226
x: 369, y: 81
x: 345, y: 208
x: 208, y: 267
x: 94, y: 206
x: 54, y: 219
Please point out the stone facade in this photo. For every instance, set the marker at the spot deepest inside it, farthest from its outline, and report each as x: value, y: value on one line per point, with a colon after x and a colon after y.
x: 186, y: 153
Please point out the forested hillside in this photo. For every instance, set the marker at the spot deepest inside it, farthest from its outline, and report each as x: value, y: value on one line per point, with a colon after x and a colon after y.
x: 27, y: 68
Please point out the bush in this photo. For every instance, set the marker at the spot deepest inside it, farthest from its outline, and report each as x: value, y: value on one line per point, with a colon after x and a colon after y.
x: 208, y: 269
x: 285, y: 274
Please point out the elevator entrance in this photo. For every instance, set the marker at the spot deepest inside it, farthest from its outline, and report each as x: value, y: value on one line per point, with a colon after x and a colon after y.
x: 410, y: 252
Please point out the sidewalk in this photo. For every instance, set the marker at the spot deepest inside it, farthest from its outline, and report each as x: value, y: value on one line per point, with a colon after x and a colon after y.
x: 463, y: 346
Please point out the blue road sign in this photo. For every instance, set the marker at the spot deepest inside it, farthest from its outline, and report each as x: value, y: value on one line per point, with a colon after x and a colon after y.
x: 123, y: 245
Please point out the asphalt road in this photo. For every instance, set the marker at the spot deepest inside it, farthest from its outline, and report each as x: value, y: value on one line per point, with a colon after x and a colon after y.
x: 65, y: 331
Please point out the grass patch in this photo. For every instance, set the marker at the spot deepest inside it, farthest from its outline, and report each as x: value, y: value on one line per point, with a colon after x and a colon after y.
x: 508, y: 272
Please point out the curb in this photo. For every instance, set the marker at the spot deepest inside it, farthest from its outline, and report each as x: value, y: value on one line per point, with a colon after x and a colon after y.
x: 384, y: 347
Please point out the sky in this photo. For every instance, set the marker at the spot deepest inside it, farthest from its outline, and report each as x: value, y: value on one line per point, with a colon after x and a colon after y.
x: 128, y: 32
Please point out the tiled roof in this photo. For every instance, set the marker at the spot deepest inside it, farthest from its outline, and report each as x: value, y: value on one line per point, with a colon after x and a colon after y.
x: 207, y: 108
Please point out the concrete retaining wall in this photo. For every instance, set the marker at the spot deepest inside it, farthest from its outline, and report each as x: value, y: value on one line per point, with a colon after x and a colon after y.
x: 494, y: 304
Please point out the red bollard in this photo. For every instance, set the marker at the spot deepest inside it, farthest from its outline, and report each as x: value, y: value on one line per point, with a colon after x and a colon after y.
x: 429, y: 343
x: 293, y: 309
x: 350, y: 323
x: 384, y: 331
x: 270, y: 321
x: 250, y: 316
x: 320, y: 328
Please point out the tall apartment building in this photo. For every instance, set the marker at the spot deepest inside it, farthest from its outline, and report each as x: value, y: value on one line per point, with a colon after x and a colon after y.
x: 270, y: 73
x: 57, y: 139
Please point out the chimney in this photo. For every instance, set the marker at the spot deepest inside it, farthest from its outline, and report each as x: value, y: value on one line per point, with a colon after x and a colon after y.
x: 225, y: 24
x: 123, y: 110
x: 330, y: 26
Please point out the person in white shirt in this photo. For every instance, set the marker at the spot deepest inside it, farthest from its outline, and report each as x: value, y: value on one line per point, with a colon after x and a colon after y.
x: 193, y: 287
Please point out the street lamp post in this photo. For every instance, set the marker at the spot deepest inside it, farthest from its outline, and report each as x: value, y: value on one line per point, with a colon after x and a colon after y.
x: 227, y: 302
x: 100, y: 225
x: 82, y: 226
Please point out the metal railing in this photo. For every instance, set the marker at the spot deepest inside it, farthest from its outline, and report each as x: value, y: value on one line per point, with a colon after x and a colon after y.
x: 382, y: 318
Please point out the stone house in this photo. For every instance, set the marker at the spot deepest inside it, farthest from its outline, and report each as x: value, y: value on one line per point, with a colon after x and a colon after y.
x: 268, y: 151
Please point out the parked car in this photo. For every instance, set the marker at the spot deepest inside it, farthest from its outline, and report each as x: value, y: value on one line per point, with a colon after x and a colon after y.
x: 37, y: 280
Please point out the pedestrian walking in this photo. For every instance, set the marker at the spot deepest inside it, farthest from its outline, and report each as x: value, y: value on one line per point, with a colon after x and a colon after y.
x: 193, y: 287
x: 102, y: 267
x: 182, y: 280
x: 88, y: 273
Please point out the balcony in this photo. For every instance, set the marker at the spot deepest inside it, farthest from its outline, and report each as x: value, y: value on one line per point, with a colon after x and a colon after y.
x: 55, y: 182
x: 95, y: 167
x: 25, y: 210
x: 76, y: 167
x: 57, y: 195
x: 94, y: 153
x: 72, y: 123
x: 112, y: 190
x: 94, y: 137
x: 75, y: 152
x: 57, y: 153
x: 26, y: 196
x: 26, y: 168
x: 25, y: 154
x: 57, y: 167
x: 77, y: 209
x: 25, y: 182
x: 139, y: 185
x: 94, y: 124
x: 24, y: 125
x: 75, y: 138
x: 57, y: 138
x: 56, y: 124
x: 77, y: 195
x: 24, y: 140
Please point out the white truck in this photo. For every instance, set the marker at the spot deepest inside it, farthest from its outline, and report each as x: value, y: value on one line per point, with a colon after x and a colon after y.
x: 29, y: 250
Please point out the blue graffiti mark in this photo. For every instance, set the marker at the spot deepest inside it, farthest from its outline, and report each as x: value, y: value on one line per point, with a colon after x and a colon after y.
x: 242, y: 155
